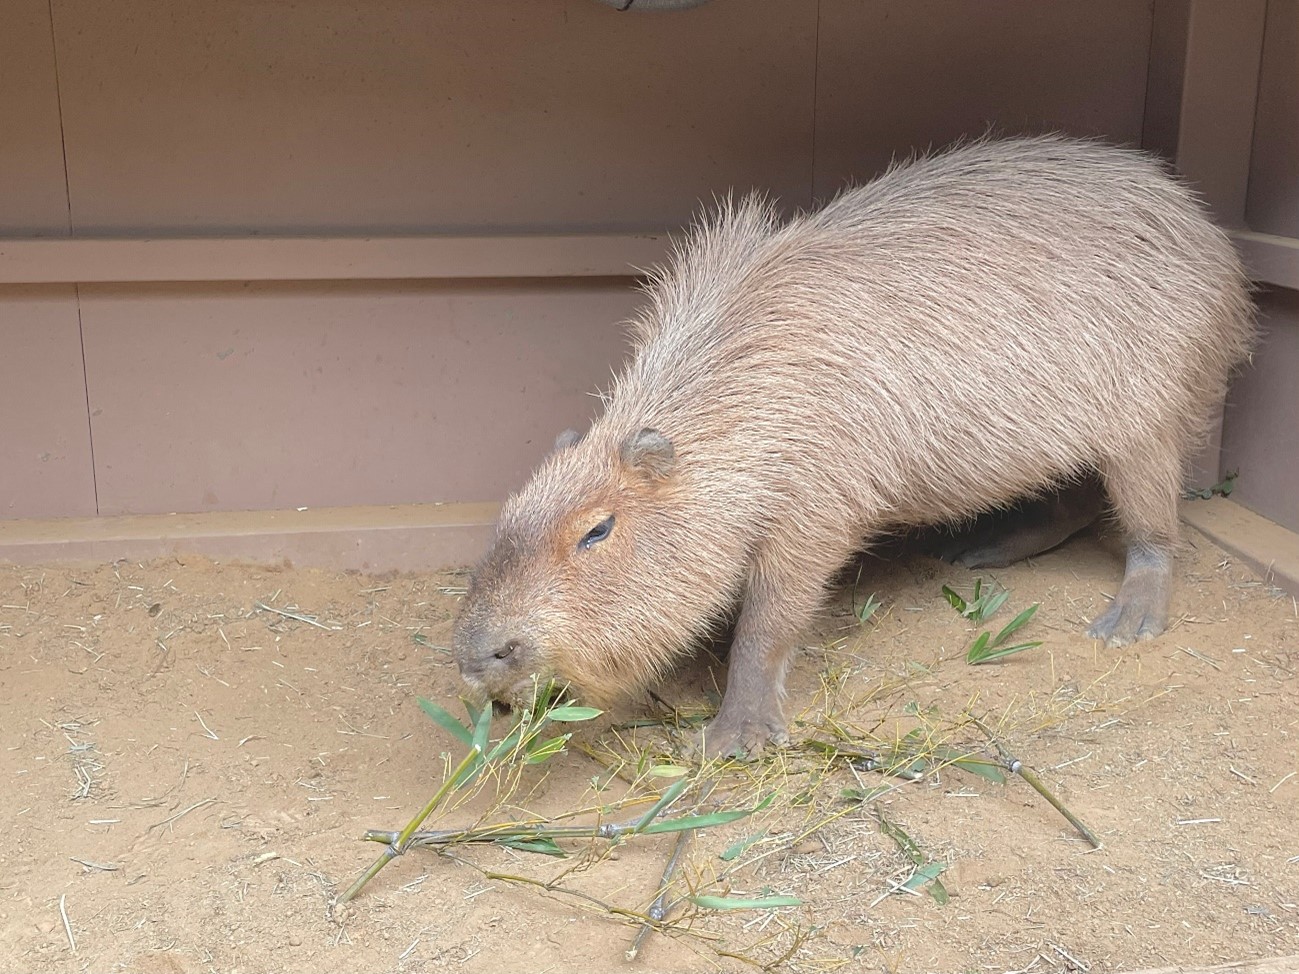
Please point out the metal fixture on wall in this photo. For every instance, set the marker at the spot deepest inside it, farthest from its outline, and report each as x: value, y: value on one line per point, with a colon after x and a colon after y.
x: 653, y: 4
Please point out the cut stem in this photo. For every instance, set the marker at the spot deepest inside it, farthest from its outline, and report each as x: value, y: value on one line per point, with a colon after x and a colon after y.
x: 659, y: 908
x: 1015, y: 766
x: 403, y: 839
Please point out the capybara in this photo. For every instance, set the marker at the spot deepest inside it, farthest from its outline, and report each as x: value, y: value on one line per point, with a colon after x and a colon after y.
x: 985, y: 324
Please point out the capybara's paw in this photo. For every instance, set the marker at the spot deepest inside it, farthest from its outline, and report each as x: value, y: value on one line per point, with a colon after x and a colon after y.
x: 975, y: 548
x: 743, y: 737
x: 1128, y: 620
x: 991, y: 555
x: 1140, y: 610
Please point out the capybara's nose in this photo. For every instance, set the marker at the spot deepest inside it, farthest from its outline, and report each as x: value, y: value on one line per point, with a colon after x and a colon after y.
x: 491, y: 657
x: 507, y: 652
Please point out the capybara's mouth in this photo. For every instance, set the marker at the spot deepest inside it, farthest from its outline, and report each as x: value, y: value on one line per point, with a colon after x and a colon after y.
x: 502, y: 708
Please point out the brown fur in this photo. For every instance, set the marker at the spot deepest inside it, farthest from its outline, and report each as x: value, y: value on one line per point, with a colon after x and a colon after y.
x: 968, y: 329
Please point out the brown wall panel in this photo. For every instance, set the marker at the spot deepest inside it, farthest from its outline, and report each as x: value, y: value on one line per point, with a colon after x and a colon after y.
x: 45, y: 468
x: 1273, y: 202
x: 1261, y: 430
x: 193, y: 116
x: 900, y: 76
x: 33, y: 197
x: 232, y: 397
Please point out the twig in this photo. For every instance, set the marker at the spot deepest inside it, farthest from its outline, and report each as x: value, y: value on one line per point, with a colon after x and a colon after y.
x: 107, y: 867
x: 402, y: 842
x: 1015, y: 766
x: 658, y: 909
x: 505, y: 830
x: 67, y: 927
x: 1074, y: 961
x: 207, y: 731
x: 183, y: 812
x: 309, y: 620
x: 609, y: 908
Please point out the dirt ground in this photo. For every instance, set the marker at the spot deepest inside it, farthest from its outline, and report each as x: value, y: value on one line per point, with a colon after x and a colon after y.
x: 186, y: 777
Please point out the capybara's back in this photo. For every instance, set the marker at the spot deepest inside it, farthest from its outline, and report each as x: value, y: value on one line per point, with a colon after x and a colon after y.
x: 968, y: 329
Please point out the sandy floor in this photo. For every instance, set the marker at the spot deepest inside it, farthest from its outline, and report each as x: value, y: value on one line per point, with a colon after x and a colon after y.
x: 187, y: 777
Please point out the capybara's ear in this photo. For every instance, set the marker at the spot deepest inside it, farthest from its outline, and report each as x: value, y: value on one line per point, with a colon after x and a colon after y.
x: 570, y: 437
x: 650, y: 452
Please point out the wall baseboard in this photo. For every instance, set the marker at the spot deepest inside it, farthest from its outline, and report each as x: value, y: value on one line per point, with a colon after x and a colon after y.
x: 412, y: 537
x: 1267, y: 547
x: 432, y: 537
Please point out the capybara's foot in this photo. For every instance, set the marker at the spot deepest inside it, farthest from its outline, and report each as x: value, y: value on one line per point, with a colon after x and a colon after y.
x: 1003, y: 537
x: 1140, y: 610
x: 1124, y: 623
x: 990, y: 555
x: 741, y: 737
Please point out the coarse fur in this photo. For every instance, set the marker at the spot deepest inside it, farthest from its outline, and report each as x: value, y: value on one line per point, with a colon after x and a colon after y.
x: 971, y: 328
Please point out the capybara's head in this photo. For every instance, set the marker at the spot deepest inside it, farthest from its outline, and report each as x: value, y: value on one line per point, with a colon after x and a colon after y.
x: 569, y: 588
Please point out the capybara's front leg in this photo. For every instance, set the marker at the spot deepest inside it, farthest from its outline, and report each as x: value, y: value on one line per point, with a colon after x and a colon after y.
x: 751, y: 715
x: 780, y: 600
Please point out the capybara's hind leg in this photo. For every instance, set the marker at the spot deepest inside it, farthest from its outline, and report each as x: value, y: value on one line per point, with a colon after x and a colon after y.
x: 1145, y: 499
x: 1030, y: 528
x: 1140, y: 610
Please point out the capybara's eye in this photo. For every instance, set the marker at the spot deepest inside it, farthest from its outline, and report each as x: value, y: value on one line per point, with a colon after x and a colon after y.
x: 597, y: 533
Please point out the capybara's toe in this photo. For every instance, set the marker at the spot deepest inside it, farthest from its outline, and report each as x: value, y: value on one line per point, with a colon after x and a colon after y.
x: 743, y: 738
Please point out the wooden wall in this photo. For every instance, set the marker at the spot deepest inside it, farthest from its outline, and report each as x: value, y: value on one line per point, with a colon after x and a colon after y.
x: 243, y: 373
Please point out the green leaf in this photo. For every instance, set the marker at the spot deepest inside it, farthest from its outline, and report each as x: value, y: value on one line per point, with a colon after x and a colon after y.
x: 859, y: 795
x: 994, y: 603
x: 473, y: 712
x: 984, y: 769
x: 1016, y: 623
x: 869, y: 608
x: 666, y: 799
x: 543, y: 695
x: 573, y: 714
x: 506, y: 744
x: 904, y: 841
x: 444, y: 720
x: 737, y: 849
x: 419, y: 639
x: 541, y: 752
x: 978, y: 648
x: 736, y: 903
x: 958, y: 603
x: 482, y: 728
x: 928, y: 873
x: 695, y: 821
x: 702, y: 821
x: 667, y: 771
x: 996, y: 654
x: 543, y: 845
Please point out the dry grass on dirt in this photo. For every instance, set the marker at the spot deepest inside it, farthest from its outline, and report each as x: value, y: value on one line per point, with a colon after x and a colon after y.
x: 186, y: 777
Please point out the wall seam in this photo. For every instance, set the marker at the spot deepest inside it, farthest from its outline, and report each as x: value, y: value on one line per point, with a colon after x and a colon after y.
x: 1150, y: 57
x: 85, y: 379
x: 76, y: 288
x: 816, y: 77
x: 58, y: 99
x: 1258, y: 99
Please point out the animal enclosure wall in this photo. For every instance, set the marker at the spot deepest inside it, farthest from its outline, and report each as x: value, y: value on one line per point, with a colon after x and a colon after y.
x: 263, y: 256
